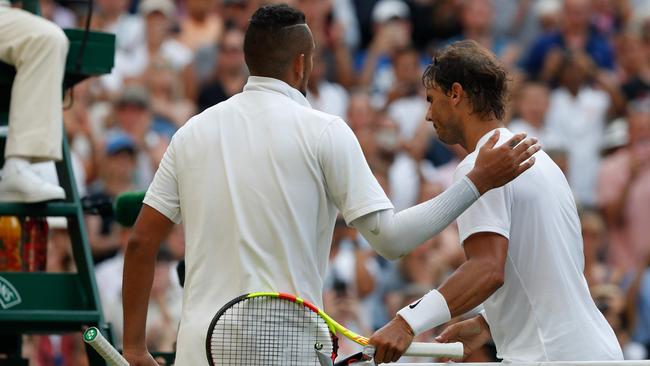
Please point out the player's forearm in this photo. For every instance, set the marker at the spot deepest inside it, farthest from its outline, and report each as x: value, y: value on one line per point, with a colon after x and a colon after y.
x: 139, y: 264
x: 470, y: 285
x: 395, y: 235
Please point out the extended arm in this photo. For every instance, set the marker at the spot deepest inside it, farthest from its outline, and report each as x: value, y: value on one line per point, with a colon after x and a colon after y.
x: 139, y: 261
x: 466, y: 288
x: 394, y: 235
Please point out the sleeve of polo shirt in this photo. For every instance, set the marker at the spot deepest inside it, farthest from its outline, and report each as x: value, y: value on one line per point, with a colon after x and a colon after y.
x: 348, y: 179
x: 490, y: 213
x: 162, y: 194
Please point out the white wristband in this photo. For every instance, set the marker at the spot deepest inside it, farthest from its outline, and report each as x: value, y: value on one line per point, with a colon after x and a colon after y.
x: 426, y: 313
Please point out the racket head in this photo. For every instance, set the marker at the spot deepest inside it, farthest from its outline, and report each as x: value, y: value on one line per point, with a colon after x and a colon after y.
x: 269, y: 328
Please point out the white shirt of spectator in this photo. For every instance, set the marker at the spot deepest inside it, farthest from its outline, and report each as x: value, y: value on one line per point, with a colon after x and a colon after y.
x: 543, y: 311
x: 548, y: 140
x: 109, y: 280
x: 577, y: 124
x: 403, y: 175
x: 333, y: 99
x: 257, y: 181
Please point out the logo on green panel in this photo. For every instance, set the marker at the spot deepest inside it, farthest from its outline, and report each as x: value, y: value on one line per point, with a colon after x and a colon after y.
x: 9, y: 296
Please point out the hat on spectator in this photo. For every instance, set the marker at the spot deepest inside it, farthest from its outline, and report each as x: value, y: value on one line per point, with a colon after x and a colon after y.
x: 386, y: 10
x: 166, y: 7
x: 547, y: 7
x: 118, y: 142
x: 134, y: 95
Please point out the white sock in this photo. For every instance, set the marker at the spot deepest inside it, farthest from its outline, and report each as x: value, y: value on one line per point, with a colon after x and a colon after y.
x: 15, y: 164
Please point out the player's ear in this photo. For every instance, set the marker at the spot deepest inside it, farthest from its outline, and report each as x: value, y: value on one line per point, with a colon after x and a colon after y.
x: 299, y: 66
x: 456, y: 93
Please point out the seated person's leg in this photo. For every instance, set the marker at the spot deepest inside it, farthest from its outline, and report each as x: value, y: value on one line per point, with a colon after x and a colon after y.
x: 37, y: 48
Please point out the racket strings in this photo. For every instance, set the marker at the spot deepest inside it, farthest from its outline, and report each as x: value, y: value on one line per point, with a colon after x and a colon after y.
x: 269, y: 331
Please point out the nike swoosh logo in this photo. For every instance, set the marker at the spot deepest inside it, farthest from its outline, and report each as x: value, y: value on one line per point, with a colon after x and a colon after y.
x: 413, y: 305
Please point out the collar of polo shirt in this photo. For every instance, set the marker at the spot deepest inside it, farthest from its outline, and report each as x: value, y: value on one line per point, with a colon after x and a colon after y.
x: 265, y: 84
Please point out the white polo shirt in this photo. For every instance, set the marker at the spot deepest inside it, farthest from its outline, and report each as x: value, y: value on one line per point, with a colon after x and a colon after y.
x: 543, y: 311
x: 257, y: 181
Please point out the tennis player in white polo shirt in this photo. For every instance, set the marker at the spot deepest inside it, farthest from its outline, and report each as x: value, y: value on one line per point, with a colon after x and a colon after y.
x: 258, y: 180
x: 522, y: 241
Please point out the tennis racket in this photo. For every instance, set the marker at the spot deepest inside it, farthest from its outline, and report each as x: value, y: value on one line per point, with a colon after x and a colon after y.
x: 93, y: 337
x: 271, y: 328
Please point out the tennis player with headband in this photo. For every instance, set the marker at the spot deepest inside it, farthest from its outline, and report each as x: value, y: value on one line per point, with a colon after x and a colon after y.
x: 258, y: 180
x: 522, y: 241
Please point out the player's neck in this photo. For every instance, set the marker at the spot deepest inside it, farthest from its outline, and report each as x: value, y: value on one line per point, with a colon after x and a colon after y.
x: 475, y: 129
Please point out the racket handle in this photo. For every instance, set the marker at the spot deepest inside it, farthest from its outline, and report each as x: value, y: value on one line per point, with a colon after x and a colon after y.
x: 93, y: 337
x: 421, y: 349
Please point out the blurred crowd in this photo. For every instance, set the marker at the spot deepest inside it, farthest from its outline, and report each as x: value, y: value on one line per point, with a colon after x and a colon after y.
x: 579, y: 81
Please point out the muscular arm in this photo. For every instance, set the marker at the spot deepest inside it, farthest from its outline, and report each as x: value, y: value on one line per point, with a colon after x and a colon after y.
x: 468, y: 286
x: 149, y: 231
x: 394, y: 235
x: 480, y: 276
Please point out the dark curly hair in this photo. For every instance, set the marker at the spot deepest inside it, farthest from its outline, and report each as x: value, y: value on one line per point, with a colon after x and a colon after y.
x: 477, y: 70
x: 273, y: 38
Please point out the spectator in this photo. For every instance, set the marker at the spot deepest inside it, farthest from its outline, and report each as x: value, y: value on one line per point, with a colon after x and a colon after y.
x: 331, y: 36
x: 610, y: 300
x: 595, y: 244
x: 635, y: 61
x: 549, y: 14
x: 532, y: 103
x: 324, y: 95
x: 392, y: 31
x: 59, y: 15
x: 476, y: 21
x: 112, y: 16
x: 116, y: 176
x: 406, y: 89
x: 236, y: 13
x: 170, y: 108
x: 578, y: 112
x: 575, y: 34
x: 352, y: 267
x: 624, y: 192
x: 158, y: 17
x: 609, y: 17
x: 360, y: 112
x: 201, y: 26
x: 133, y: 116
x: 229, y: 73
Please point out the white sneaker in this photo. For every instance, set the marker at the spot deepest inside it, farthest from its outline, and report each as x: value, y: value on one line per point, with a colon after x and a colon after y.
x: 20, y: 184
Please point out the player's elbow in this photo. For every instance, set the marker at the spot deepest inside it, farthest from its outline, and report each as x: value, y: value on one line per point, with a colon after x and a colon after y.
x: 388, y: 250
x: 385, y: 245
x: 137, y: 246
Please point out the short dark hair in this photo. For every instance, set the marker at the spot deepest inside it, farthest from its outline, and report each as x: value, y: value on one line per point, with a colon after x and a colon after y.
x: 271, y: 41
x: 477, y: 70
